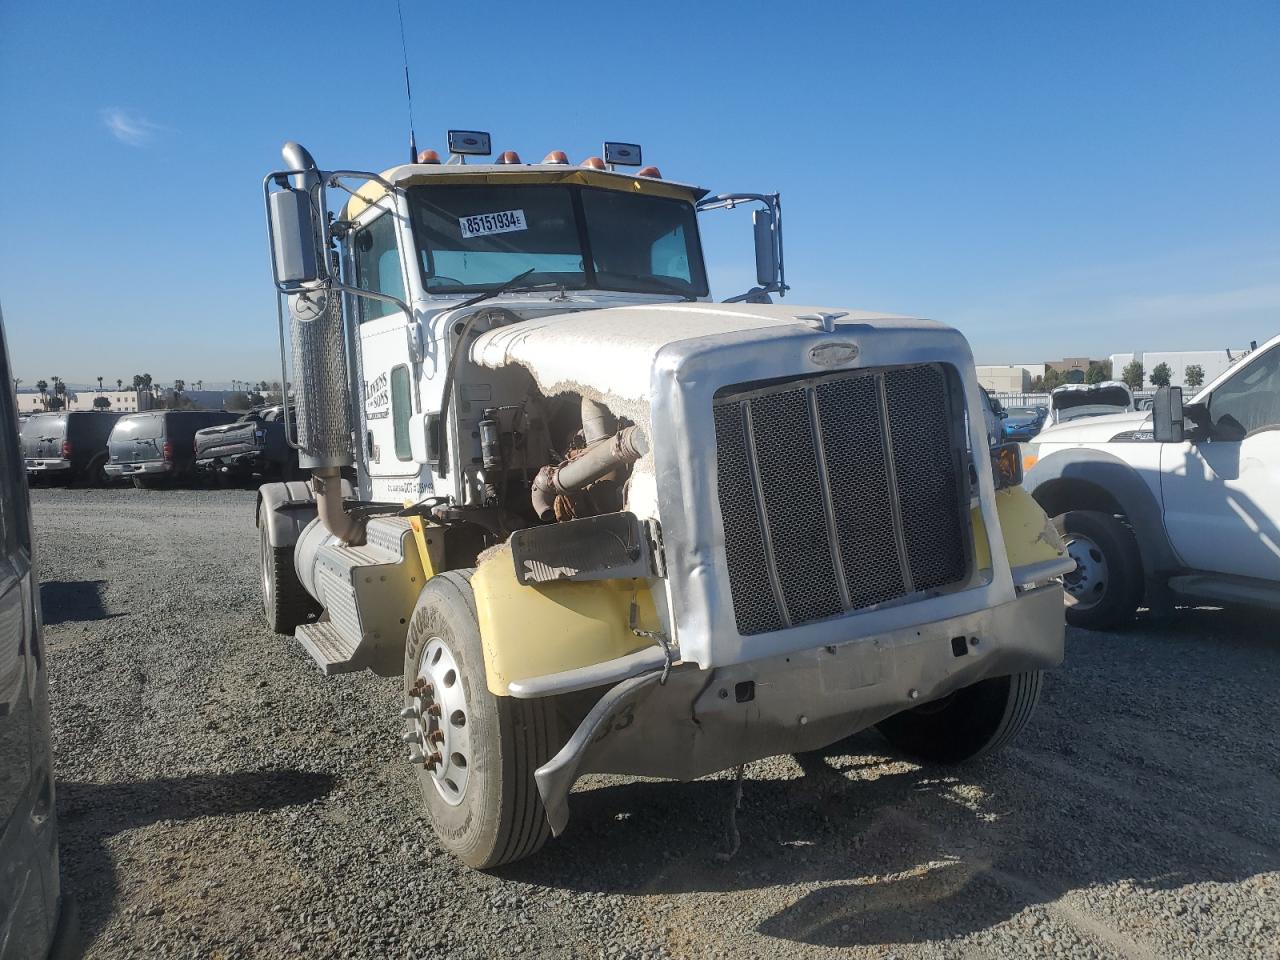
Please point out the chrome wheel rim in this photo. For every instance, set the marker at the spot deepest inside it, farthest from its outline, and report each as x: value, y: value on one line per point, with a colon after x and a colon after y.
x: 439, y: 721
x: 1086, y: 585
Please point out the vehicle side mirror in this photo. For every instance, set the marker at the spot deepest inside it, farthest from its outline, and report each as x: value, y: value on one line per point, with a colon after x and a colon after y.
x: 1166, y: 415
x: 294, y: 231
x: 766, y: 249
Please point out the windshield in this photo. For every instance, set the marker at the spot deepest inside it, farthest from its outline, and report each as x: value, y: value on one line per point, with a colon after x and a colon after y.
x: 475, y: 237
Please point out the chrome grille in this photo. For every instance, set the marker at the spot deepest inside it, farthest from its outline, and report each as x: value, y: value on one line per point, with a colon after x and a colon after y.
x: 839, y: 493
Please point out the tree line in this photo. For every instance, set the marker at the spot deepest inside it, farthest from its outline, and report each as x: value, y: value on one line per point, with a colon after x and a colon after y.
x: 53, y: 392
x: 1133, y: 376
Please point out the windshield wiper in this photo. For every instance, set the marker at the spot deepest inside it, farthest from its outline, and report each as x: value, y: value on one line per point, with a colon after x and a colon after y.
x: 666, y: 284
x: 508, y: 287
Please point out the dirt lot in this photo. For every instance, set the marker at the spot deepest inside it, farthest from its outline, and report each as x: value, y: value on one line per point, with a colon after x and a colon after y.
x: 220, y: 798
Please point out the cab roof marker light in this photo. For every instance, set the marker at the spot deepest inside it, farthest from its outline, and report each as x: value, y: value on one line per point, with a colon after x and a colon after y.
x: 468, y: 143
x: 556, y: 156
x: 653, y: 173
x: 509, y: 156
x: 428, y: 156
x: 622, y: 154
x: 593, y: 163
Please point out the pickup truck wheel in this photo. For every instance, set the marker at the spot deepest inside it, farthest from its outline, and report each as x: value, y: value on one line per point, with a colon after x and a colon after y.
x: 1104, y: 589
x: 285, y: 601
x: 475, y: 753
x: 967, y: 724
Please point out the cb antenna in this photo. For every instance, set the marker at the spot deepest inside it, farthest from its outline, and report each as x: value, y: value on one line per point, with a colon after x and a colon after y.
x: 408, y: 90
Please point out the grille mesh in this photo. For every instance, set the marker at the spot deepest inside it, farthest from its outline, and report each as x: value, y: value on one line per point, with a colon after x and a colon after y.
x: 319, y: 369
x: 780, y: 517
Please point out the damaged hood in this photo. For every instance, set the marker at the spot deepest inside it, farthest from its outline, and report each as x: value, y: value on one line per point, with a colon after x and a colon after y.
x: 610, y: 352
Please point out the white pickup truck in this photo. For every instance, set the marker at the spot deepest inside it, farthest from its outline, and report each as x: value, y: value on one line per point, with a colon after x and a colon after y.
x: 1174, y: 501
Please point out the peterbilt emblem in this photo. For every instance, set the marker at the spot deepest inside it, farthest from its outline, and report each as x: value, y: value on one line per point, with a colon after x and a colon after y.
x: 833, y: 354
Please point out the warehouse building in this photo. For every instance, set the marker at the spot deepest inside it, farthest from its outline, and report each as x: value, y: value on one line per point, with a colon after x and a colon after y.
x: 1212, y: 362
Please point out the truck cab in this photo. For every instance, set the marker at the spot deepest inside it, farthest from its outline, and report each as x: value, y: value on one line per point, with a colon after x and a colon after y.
x: 638, y: 531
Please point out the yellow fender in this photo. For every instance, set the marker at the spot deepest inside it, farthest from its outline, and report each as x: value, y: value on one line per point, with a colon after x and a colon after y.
x: 1029, y: 536
x: 537, y: 630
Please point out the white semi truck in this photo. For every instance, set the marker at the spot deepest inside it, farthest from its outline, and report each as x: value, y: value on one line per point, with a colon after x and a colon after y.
x: 600, y: 523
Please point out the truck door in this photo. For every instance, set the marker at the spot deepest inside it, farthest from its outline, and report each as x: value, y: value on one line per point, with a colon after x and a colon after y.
x: 1222, y: 494
x: 386, y: 366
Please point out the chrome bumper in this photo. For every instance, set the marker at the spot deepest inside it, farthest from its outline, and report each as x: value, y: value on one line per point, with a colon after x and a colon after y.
x: 145, y: 466
x: 48, y: 466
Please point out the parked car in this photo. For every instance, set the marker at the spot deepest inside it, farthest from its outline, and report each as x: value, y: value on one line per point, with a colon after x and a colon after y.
x: 1174, y: 502
x: 33, y: 916
x: 253, y: 446
x: 1023, y: 423
x: 1074, y: 400
x: 68, y: 445
x: 158, y: 446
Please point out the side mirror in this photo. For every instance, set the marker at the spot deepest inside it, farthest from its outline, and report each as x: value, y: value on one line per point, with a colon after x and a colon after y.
x: 1166, y: 415
x: 766, y: 250
x: 294, y: 254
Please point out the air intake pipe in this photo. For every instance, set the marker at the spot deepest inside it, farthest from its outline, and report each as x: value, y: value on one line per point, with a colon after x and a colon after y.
x: 319, y: 364
x: 622, y: 449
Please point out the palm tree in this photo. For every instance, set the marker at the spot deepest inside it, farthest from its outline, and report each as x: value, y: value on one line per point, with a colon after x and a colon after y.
x: 137, y: 381
x: 43, y: 387
x: 199, y: 385
x: 119, y: 384
x: 99, y: 384
x: 179, y: 386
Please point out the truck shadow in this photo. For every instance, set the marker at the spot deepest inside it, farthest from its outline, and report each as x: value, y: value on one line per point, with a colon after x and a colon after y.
x: 868, y: 849
x: 89, y: 814
x: 73, y: 601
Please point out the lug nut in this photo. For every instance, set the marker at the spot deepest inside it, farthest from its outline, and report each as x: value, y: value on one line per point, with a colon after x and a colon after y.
x: 433, y: 760
x: 411, y: 736
x: 410, y: 713
x: 433, y: 710
x: 437, y: 736
x: 415, y: 755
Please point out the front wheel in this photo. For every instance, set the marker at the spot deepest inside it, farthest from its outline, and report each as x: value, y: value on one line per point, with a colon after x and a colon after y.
x: 1104, y: 589
x: 284, y: 599
x: 967, y: 724
x: 475, y: 753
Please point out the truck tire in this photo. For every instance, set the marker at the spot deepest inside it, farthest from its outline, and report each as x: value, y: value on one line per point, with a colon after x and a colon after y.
x: 285, y: 601
x: 968, y: 724
x: 1105, y: 588
x: 480, y: 795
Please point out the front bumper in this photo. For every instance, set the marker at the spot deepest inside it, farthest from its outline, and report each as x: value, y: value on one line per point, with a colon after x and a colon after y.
x: 48, y: 466
x: 700, y: 721
x: 235, y: 463
x: 144, y: 468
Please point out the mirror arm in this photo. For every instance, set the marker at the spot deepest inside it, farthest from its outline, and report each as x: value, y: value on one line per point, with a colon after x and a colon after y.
x: 772, y: 202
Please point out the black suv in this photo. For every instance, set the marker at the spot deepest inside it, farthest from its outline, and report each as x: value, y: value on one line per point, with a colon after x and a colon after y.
x: 68, y: 445
x: 158, y: 446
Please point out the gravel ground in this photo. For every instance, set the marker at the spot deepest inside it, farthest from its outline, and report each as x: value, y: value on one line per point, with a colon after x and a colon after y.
x: 220, y: 798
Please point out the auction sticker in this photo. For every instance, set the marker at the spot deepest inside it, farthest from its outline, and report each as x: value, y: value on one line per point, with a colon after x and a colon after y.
x: 483, y: 224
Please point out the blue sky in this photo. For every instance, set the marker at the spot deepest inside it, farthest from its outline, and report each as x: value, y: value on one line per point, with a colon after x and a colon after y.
x: 1054, y: 179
